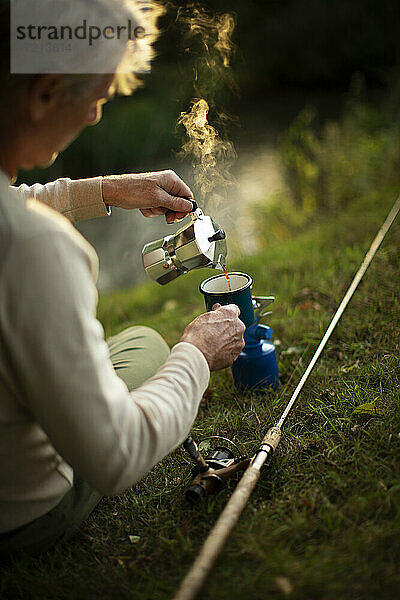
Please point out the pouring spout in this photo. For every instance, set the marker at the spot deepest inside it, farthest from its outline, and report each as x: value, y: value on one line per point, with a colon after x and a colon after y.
x: 220, y: 263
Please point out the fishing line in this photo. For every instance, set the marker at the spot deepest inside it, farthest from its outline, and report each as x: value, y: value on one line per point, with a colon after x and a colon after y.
x: 217, y: 537
x: 298, y: 364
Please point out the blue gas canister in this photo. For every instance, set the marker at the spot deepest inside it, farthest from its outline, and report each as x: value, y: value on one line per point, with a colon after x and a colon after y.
x: 256, y: 367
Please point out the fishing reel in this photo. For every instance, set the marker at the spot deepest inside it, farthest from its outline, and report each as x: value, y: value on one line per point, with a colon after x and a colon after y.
x: 210, y: 473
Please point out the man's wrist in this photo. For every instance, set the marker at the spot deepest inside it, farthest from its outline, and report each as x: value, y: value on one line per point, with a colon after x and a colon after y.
x: 106, y: 192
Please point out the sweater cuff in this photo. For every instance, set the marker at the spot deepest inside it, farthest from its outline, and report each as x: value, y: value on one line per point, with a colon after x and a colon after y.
x: 87, y: 199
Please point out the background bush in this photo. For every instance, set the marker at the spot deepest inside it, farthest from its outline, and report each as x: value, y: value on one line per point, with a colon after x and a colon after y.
x: 327, y: 168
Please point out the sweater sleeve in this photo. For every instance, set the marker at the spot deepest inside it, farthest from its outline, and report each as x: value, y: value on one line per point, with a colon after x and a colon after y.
x: 61, y: 361
x: 77, y: 199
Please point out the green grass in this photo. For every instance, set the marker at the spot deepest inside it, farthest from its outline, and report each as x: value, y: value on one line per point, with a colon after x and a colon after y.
x: 324, y: 519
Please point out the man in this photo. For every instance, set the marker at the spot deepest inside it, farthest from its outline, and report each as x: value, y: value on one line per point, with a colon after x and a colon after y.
x: 80, y: 418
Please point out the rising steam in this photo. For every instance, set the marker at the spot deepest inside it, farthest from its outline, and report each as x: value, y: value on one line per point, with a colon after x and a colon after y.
x: 213, y: 33
x: 211, y: 156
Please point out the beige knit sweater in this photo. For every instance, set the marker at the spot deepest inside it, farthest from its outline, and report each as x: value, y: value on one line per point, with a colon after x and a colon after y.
x: 62, y: 406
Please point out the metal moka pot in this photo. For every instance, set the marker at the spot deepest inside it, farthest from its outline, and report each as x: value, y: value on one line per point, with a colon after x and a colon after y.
x: 199, y: 243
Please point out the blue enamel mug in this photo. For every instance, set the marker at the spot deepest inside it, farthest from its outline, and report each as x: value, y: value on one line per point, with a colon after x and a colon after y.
x: 256, y: 367
x: 216, y: 289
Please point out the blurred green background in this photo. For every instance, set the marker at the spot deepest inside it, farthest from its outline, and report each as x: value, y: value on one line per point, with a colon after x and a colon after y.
x: 310, y: 102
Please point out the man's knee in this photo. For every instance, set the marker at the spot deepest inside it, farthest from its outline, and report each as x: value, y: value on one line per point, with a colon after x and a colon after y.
x: 137, y: 353
x: 149, y: 340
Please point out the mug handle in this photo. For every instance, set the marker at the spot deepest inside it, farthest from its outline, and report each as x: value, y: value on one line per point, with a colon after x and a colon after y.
x: 260, y: 303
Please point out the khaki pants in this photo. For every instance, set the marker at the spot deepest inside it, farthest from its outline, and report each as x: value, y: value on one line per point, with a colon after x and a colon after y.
x: 136, y: 353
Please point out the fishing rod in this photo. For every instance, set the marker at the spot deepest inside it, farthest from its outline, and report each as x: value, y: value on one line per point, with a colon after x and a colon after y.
x: 216, y: 539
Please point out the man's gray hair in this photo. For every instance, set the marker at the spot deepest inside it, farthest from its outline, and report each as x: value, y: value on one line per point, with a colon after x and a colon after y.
x: 126, y: 58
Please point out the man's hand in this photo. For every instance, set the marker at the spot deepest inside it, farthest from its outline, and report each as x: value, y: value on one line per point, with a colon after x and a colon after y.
x: 153, y: 193
x: 218, y: 334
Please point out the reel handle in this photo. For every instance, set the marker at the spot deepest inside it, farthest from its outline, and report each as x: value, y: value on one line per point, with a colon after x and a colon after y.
x: 193, y: 450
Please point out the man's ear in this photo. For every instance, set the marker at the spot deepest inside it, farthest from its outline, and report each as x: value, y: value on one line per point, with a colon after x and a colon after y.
x: 45, y: 93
